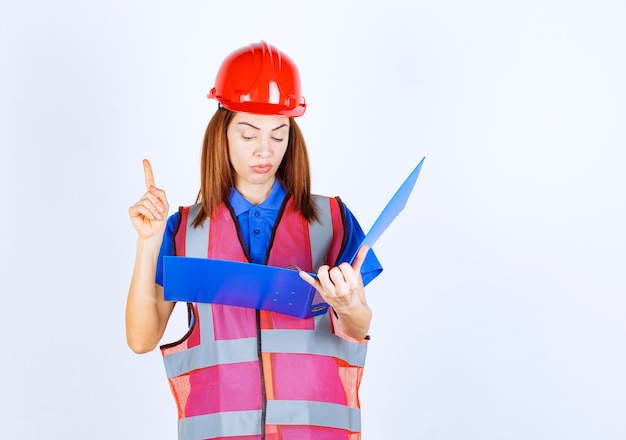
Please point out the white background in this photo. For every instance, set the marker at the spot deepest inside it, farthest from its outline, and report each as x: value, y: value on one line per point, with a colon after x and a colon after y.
x: 500, y: 313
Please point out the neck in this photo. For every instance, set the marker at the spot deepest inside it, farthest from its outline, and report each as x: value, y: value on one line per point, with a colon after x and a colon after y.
x: 255, y: 194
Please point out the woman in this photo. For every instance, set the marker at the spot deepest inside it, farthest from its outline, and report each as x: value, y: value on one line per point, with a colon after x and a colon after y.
x: 241, y: 373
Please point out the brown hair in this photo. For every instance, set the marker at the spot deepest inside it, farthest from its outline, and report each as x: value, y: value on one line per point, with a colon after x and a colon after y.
x: 217, y: 174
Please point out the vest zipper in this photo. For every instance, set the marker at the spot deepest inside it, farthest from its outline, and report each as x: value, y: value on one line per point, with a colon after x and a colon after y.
x: 259, y: 345
x: 258, y: 312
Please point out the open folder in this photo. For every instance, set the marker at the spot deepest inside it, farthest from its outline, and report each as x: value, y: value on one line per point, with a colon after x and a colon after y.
x: 263, y: 287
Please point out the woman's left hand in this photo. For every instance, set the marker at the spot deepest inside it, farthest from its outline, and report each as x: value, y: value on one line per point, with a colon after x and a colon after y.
x: 341, y: 286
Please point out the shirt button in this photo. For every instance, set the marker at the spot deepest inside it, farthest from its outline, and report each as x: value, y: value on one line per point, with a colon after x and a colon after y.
x: 257, y: 232
x: 257, y: 213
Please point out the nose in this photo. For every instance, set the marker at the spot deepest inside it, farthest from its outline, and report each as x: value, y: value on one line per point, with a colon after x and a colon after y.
x: 263, y: 150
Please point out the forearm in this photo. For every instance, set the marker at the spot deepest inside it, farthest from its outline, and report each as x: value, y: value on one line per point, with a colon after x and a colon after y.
x: 146, y: 311
x: 355, y: 321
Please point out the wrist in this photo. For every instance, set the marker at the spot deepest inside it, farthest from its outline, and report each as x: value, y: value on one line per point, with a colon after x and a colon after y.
x: 150, y: 245
x: 352, y: 310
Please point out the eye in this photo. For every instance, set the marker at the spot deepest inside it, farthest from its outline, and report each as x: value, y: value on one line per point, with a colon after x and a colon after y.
x: 278, y: 139
x: 247, y: 138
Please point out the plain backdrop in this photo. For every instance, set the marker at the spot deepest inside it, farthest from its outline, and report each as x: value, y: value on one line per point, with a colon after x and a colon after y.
x: 500, y: 313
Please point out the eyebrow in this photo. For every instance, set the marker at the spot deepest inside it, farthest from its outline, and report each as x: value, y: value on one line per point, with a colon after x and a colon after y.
x: 257, y: 128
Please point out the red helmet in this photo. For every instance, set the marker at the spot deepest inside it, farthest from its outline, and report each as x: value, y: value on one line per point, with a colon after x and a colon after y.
x: 259, y: 79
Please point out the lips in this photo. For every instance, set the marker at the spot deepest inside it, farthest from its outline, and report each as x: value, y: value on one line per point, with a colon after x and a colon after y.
x: 261, y: 169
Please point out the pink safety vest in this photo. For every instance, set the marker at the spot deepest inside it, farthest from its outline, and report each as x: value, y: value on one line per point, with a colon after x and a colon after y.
x: 247, y: 374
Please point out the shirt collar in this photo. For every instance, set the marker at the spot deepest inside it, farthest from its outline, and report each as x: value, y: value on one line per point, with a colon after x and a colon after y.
x: 273, y: 201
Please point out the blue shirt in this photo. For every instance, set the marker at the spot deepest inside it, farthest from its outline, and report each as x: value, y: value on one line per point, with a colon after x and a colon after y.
x: 256, y: 223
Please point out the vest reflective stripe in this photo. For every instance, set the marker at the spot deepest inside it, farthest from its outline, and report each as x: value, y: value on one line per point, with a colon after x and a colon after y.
x: 302, y: 341
x: 202, y: 356
x: 274, y: 341
x: 197, y: 238
x: 320, y: 232
x: 224, y: 424
x: 206, y: 331
x: 295, y: 412
x: 279, y: 412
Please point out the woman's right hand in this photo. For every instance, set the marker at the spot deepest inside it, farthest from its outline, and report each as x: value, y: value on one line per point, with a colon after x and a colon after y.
x: 149, y: 214
x: 147, y: 312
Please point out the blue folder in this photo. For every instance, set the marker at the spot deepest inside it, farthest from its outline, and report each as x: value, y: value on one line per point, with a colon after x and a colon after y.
x: 261, y: 287
x: 234, y: 283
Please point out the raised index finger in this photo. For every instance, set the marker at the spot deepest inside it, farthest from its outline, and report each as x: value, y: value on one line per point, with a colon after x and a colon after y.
x: 360, y: 258
x: 147, y: 172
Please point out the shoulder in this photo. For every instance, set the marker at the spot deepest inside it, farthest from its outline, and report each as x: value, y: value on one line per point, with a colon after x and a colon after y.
x: 323, y: 201
x: 328, y: 208
x: 172, y: 220
x: 184, y: 213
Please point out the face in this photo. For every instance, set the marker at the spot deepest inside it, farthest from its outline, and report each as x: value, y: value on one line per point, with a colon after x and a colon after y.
x: 256, y: 147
